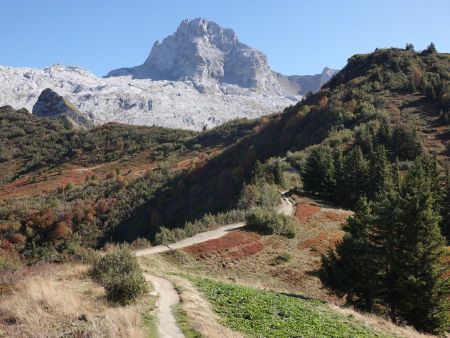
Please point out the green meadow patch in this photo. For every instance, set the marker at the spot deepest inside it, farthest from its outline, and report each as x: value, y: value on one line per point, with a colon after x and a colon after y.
x: 259, y: 313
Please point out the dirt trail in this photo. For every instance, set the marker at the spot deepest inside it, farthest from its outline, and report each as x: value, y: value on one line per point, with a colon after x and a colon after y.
x: 167, y: 295
x: 286, y: 207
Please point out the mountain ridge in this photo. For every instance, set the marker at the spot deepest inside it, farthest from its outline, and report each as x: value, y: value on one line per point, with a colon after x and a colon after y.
x: 204, y: 52
x: 209, y: 78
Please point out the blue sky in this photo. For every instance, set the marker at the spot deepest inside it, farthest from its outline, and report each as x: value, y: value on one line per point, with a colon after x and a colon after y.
x: 299, y: 37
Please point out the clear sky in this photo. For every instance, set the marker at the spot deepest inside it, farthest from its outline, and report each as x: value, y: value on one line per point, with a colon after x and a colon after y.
x: 299, y: 37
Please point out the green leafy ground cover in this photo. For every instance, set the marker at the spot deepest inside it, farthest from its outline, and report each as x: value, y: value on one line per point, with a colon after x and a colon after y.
x: 261, y: 313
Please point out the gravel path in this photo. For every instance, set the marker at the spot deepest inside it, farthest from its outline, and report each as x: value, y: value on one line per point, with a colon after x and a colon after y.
x: 286, y: 207
x: 167, y: 295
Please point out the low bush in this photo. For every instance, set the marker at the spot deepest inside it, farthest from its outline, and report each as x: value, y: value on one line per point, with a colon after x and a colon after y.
x: 119, y: 273
x: 207, y: 222
x: 259, y: 195
x: 280, y: 259
x: 124, y: 289
x: 268, y: 221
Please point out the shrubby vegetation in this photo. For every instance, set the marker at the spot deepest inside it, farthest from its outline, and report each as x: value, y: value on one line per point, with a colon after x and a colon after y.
x: 363, y: 130
x: 119, y: 272
x: 43, y: 142
x: 207, y: 222
x: 259, y: 195
x: 268, y: 221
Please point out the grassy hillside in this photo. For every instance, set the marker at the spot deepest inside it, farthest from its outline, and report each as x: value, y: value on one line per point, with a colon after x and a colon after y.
x: 62, y: 190
x: 61, y: 187
x: 392, y: 97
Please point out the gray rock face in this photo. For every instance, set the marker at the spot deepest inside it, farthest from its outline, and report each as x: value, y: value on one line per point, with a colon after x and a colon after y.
x: 303, y: 84
x: 50, y: 104
x: 208, y: 55
x: 201, y: 51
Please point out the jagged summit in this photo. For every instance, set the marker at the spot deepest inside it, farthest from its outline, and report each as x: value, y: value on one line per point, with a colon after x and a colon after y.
x: 201, y: 51
x: 212, y: 57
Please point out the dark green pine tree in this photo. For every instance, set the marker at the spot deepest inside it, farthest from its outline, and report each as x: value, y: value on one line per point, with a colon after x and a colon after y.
x: 412, y: 280
x: 351, y: 269
x: 339, y: 173
x: 318, y: 173
x: 445, y: 207
x: 433, y: 173
x: 355, y: 169
x: 386, y: 234
x: 378, y: 172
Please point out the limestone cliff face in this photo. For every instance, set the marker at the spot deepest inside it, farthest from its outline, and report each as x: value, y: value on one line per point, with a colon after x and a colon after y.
x: 210, y: 56
x: 201, y: 51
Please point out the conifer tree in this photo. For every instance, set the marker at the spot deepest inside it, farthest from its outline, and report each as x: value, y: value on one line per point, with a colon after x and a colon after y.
x: 421, y: 291
x: 378, y: 171
x: 350, y: 270
x: 355, y: 175
x: 392, y: 253
x: 339, y: 173
x: 319, y: 173
x: 445, y: 207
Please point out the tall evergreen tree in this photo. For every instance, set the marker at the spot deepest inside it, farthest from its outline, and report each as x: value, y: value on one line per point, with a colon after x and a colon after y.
x: 355, y: 175
x: 349, y: 271
x: 339, y: 173
x: 392, y: 254
x: 378, y: 172
x: 445, y: 207
x: 422, y: 292
x: 319, y: 174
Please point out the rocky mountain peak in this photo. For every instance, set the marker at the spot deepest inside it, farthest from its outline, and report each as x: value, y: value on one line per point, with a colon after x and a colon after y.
x: 203, y: 28
x: 203, y: 52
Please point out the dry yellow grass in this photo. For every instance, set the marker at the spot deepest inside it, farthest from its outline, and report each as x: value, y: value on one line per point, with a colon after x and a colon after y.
x: 380, y: 324
x: 62, y: 301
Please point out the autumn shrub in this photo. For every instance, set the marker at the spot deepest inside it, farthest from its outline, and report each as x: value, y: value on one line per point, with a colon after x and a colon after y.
x: 119, y: 273
x: 140, y: 243
x: 268, y: 221
x: 259, y: 195
x: 61, y: 231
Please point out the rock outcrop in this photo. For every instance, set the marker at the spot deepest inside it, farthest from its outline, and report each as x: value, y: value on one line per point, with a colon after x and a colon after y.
x: 50, y: 104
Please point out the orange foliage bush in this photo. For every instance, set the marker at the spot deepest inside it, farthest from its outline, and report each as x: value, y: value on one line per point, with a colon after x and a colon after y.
x: 43, y: 219
x: 61, y: 231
